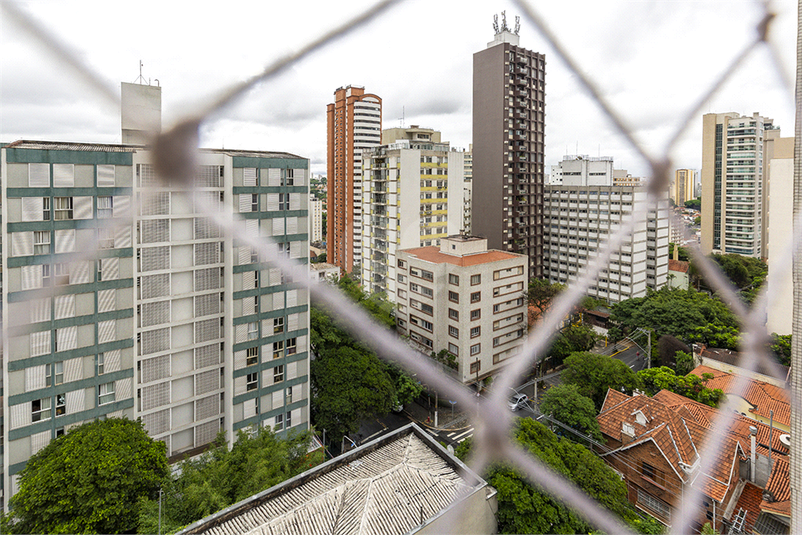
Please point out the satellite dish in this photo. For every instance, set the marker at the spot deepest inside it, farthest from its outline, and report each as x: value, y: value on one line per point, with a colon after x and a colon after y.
x: 786, y: 439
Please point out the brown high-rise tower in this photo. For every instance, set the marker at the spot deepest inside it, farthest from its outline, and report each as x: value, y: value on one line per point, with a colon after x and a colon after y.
x: 508, y: 146
x: 354, y: 124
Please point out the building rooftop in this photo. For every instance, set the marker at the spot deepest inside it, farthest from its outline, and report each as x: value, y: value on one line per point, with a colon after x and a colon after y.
x: 105, y: 147
x: 678, y: 265
x: 763, y: 397
x: 432, y: 254
x: 394, y: 484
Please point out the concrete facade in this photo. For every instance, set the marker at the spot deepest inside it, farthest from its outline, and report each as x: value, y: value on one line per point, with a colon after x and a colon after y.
x: 780, y: 216
x: 315, y: 219
x: 508, y: 147
x: 683, y: 186
x: 173, y: 321
x: 354, y: 124
x: 465, y: 299
x: 733, y: 183
x: 407, y: 203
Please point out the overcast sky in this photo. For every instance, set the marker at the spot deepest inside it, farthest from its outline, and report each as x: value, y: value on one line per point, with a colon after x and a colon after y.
x: 651, y: 59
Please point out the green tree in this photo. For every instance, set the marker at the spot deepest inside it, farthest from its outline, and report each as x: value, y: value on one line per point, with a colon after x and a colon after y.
x: 691, y: 386
x: 348, y: 385
x: 682, y: 253
x: 542, y: 292
x: 565, y: 403
x: 407, y: 389
x: 695, y: 204
x: 781, y: 347
x: 594, y: 374
x: 220, y: 477
x: 88, y: 481
x: 684, y: 362
x: 572, y: 339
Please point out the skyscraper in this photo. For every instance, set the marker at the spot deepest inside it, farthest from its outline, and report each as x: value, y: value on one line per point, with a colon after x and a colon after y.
x: 508, y: 146
x: 354, y: 124
x: 682, y: 188
x: 732, y: 183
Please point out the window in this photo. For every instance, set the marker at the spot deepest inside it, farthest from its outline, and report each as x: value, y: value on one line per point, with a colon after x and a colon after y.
x: 61, y: 404
x: 453, y: 349
x: 253, y: 330
x: 40, y: 410
x: 453, y: 314
x: 288, y: 420
x: 283, y: 201
x: 46, y: 209
x: 252, y: 356
x: 104, y: 208
x: 476, y: 279
x: 62, y: 208
x: 655, y: 474
x: 291, y: 346
x: 401, y: 278
x: 101, y: 363
x: 62, y: 274
x: 427, y: 275
x: 475, y: 349
x: 41, y: 242
x: 251, y: 381
x: 45, y: 275
x: 288, y: 398
x: 476, y: 297
x: 650, y: 502
x: 476, y: 331
x: 402, y: 264
x: 54, y: 373
x: 278, y: 325
x: 105, y: 393
x: 278, y: 373
x: 254, y: 202
x: 453, y: 279
x: 453, y: 331
x: 453, y: 297
x: 279, y: 423
x: 476, y: 314
x: 105, y: 238
x: 278, y: 349
x: 475, y: 365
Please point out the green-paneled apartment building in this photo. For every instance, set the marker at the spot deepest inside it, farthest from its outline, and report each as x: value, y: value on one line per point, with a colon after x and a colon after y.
x: 171, y: 320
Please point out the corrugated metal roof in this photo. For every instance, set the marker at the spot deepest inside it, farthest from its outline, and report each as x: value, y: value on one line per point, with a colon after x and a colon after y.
x: 386, y: 488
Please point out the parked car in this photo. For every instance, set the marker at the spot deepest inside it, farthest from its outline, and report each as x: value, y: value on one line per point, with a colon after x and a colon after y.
x: 518, y: 401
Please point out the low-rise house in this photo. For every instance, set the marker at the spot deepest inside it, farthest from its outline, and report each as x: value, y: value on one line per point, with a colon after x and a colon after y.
x: 403, y: 482
x: 655, y: 445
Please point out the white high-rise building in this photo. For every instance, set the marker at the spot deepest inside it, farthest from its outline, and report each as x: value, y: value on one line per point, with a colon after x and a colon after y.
x: 407, y: 203
x: 174, y: 322
x: 582, y: 211
x: 315, y: 219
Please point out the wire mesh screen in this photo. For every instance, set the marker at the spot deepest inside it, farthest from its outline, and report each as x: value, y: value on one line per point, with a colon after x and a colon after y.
x: 175, y: 159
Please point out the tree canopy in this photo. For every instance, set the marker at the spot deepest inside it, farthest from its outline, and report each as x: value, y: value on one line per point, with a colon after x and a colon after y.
x: 524, y: 508
x: 689, y: 315
x: 88, y: 481
x: 574, y: 338
x: 593, y: 374
x: 781, y: 347
x: 221, y: 477
x: 691, y: 386
x: 542, y: 292
x: 565, y: 403
x: 747, y: 273
x: 696, y: 204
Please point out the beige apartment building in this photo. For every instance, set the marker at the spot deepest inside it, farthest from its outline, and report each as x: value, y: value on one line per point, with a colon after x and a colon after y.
x: 465, y: 299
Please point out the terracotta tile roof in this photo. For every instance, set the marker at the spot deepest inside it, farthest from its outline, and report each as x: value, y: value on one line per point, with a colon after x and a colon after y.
x: 764, y: 397
x: 779, y: 484
x: 678, y: 265
x: 750, y: 500
x: 432, y: 254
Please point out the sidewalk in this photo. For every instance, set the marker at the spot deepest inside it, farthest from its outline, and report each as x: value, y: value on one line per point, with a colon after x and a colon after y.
x: 423, y: 415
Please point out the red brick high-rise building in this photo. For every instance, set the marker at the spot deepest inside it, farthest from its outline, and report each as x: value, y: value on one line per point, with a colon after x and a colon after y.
x: 354, y: 124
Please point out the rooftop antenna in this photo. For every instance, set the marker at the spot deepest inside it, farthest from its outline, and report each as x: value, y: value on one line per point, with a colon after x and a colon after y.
x: 141, y: 79
x: 495, y: 24
x: 517, y: 24
x: 403, y: 114
x: 504, y: 27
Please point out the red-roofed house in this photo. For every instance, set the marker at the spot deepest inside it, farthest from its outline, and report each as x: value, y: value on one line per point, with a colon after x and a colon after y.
x: 655, y: 444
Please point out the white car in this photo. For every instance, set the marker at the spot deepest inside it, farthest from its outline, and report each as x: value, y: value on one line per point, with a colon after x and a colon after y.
x: 518, y: 401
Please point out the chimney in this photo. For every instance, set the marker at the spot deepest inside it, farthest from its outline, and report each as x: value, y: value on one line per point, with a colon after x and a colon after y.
x: 676, y: 252
x: 752, y: 460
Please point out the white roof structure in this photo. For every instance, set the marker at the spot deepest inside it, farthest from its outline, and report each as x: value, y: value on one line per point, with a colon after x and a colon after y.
x: 400, y: 483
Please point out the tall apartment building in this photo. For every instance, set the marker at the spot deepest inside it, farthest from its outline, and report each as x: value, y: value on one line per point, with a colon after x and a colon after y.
x: 508, y: 146
x: 732, y: 183
x: 682, y: 188
x: 581, y: 213
x: 465, y: 299
x: 467, y: 190
x: 315, y: 219
x: 779, y: 158
x: 174, y: 321
x: 407, y: 203
x: 354, y: 124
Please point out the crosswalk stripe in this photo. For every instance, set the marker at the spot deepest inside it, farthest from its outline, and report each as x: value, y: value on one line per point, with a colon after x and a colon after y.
x: 464, y: 433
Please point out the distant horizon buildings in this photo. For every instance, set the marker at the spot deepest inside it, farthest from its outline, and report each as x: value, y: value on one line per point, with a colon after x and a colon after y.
x: 508, y: 146
x: 354, y: 123
x: 733, y: 185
